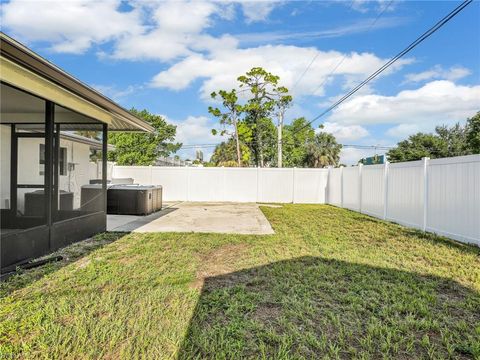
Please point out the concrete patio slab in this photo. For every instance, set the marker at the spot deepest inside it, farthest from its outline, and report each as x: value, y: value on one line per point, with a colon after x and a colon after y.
x: 227, y: 218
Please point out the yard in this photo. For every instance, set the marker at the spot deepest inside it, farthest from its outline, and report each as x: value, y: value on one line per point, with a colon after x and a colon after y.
x: 330, y: 283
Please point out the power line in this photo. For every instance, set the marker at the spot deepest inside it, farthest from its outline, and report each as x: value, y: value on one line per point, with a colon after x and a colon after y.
x: 378, y: 147
x: 412, y: 45
x: 346, y: 55
x: 313, y: 60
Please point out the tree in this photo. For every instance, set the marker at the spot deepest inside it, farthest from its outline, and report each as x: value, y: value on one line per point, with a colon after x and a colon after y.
x: 416, y: 147
x: 454, y: 140
x: 225, y: 154
x: 283, y: 102
x: 296, y: 137
x: 323, y: 151
x: 445, y: 142
x: 264, y: 94
x: 141, y: 148
x: 92, y: 134
x: 473, y: 133
x: 228, y: 118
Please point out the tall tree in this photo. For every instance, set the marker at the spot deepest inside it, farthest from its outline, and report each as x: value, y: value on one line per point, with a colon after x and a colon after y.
x: 323, y: 151
x: 139, y: 148
x: 229, y: 118
x: 263, y: 92
x: 282, y: 103
x: 296, y: 136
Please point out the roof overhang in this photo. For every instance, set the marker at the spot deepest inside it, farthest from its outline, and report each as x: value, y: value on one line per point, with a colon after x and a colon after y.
x: 26, y: 70
x: 92, y: 143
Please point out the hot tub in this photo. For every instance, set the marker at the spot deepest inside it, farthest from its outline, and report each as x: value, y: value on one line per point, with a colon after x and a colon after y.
x: 125, y: 199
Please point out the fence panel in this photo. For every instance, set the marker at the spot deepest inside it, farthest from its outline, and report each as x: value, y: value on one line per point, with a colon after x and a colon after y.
x: 310, y: 186
x: 373, y: 192
x: 351, y: 188
x: 453, y: 198
x: 405, y: 193
x: 206, y: 184
x: 140, y: 174
x: 275, y: 185
x: 240, y: 184
x: 174, y: 181
x: 334, y: 187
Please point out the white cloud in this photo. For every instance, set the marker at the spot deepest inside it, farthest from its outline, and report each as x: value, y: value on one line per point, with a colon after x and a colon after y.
x: 363, y: 6
x: 69, y: 26
x: 438, y: 72
x: 403, y: 130
x: 434, y: 103
x: 345, y: 132
x: 255, y: 11
x: 178, y: 30
x: 147, y: 30
x: 195, y: 130
x: 220, y: 69
x: 116, y: 93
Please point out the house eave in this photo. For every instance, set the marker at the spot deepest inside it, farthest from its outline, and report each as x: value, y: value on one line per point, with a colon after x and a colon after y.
x: 20, y: 55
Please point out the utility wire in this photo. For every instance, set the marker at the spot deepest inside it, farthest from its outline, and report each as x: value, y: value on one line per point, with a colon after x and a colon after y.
x: 412, y: 45
x: 325, y: 79
x: 313, y: 59
x: 379, y: 147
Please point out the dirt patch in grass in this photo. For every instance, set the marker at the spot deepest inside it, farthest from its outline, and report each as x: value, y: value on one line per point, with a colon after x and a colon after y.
x: 267, y: 313
x: 220, y: 261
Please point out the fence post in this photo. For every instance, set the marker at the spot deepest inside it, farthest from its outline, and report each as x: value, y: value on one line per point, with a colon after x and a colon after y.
x: 258, y: 181
x: 360, y: 167
x: 341, y: 186
x: 385, y: 189
x: 293, y: 185
x: 224, y: 184
x: 327, y: 187
x: 188, y: 183
x: 425, y: 192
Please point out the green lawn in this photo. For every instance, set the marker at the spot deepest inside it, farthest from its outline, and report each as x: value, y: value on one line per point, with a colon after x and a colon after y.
x: 329, y: 284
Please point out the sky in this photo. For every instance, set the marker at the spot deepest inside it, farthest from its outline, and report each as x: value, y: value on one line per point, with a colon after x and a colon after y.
x: 167, y: 57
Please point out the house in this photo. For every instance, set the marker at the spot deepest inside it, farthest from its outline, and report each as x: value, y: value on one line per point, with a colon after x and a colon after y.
x: 46, y: 199
x: 75, y: 167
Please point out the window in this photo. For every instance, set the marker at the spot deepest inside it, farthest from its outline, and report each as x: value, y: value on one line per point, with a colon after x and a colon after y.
x: 42, y: 159
x: 62, y: 160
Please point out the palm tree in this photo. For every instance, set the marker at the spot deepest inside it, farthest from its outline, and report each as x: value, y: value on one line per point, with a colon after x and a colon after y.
x: 323, y: 151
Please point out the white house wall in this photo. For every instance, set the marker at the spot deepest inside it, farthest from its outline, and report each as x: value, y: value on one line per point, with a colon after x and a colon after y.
x: 29, y: 168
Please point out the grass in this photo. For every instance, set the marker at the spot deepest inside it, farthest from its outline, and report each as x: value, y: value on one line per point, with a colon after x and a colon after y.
x: 329, y: 284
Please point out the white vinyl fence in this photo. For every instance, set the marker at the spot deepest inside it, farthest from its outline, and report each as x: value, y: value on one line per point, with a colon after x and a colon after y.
x: 441, y: 195
x: 232, y: 184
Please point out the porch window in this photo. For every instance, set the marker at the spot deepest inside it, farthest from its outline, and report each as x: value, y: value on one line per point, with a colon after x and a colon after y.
x: 62, y: 160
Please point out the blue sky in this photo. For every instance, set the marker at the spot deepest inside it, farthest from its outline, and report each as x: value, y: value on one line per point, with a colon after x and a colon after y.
x: 168, y: 56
